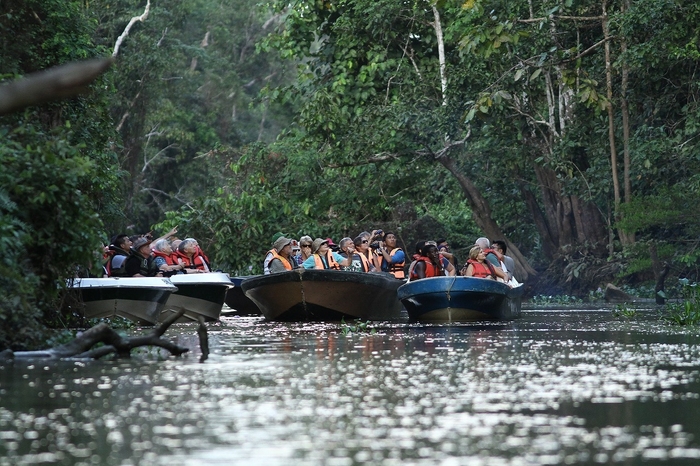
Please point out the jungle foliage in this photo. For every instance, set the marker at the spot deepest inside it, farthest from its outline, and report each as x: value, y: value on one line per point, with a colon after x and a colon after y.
x: 568, y: 128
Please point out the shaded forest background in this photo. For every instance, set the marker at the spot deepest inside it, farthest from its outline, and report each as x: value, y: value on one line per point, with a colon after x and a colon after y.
x: 570, y: 129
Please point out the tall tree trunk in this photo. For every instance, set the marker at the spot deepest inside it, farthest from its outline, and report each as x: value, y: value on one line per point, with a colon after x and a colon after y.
x: 624, y: 107
x: 482, y: 216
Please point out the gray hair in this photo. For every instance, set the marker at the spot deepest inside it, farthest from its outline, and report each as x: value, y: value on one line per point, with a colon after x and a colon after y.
x: 343, y: 242
x: 483, y: 243
x: 160, y: 244
x: 186, y: 242
x: 306, y: 239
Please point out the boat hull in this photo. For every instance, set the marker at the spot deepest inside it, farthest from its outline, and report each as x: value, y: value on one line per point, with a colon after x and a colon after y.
x: 200, y: 294
x: 240, y: 304
x: 138, y: 299
x: 460, y: 299
x: 325, y: 295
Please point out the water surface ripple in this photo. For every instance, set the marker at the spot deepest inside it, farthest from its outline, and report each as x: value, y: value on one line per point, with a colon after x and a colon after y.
x: 555, y: 387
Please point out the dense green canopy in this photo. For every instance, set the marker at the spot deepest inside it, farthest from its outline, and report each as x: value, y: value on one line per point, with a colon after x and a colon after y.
x: 570, y: 129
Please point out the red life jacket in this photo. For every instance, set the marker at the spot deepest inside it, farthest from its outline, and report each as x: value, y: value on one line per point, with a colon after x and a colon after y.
x: 170, y: 259
x: 332, y: 264
x: 198, y: 261
x: 431, y: 269
x: 480, y: 270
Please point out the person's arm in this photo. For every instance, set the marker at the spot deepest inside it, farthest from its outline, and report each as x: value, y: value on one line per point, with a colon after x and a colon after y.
x: 344, y: 261
x: 470, y: 271
x: 309, y: 263
x: 419, y: 269
x: 451, y: 271
x: 276, y: 266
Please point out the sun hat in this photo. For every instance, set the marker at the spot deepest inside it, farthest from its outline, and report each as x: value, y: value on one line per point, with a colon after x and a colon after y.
x: 317, y: 244
x: 281, y: 242
x: 140, y: 242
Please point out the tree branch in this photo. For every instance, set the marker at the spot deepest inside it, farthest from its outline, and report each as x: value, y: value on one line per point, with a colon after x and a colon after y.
x: 133, y: 21
x: 55, y: 83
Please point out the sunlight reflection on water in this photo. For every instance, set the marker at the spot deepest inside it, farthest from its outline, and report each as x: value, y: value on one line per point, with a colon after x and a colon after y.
x: 556, y: 387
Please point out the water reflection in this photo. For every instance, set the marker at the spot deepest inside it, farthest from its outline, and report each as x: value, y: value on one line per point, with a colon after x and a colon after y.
x: 555, y: 387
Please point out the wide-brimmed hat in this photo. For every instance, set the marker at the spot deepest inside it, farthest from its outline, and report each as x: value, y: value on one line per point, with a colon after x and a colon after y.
x: 317, y: 244
x: 281, y: 242
x: 141, y: 241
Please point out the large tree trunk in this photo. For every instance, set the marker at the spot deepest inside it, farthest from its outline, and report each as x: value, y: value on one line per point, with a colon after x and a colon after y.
x: 482, y: 216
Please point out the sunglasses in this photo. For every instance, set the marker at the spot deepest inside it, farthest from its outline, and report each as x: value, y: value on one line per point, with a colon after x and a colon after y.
x: 365, y: 241
x: 305, y: 245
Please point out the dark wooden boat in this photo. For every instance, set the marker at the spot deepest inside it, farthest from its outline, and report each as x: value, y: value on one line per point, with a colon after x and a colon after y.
x: 201, y: 294
x: 240, y: 304
x: 139, y: 299
x: 325, y: 295
x: 460, y: 299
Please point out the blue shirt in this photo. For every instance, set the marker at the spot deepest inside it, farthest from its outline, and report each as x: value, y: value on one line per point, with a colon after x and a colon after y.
x: 310, y: 263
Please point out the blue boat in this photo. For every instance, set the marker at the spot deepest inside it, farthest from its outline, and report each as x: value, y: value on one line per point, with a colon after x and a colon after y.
x: 460, y: 299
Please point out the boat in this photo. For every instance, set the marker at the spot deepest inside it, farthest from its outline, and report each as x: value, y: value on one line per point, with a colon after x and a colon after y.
x: 325, y: 295
x: 201, y: 294
x: 460, y: 299
x: 240, y: 304
x: 139, y: 299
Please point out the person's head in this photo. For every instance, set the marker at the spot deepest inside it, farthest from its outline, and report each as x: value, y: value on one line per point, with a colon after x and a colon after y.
x: 361, y: 243
x: 175, y: 243
x: 443, y: 245
x: 283, y: 246
x: 419, y: 246
x: 163, y: 245
x: 295, y: 247
x: 390, y: 239
x: 499, y: 246
x: 366, y: 234
x: 344, y: 243
x: 142, y: 245
x: 121, y: 241
x: 188, y: 246
x: 475, y: 252
x: 305, y: 245
x: 483, y: 243
x: 430, y: 251
x: 320, y: 246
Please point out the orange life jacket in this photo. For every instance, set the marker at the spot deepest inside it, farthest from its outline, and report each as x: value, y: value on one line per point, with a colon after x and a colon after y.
x: 395, y: 269
x: 332, y: 264
x: 285, y: 262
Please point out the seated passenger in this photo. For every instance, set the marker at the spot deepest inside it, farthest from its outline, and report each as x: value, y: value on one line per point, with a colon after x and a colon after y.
x: 118, y: 251
x: 282, y: 260
x: 140, y: 262
x: 192, y: 257
x: 363, y: 260
x: 323, y: 258
x: 165, y: 260
x: 478, y: 266
x: 428, y: 263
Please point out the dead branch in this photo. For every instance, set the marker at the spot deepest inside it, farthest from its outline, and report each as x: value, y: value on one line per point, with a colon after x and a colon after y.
x: 55, y: 83
x: 568, y: 18
x: 133, y: 21
x: 82, y: 347
x: 203, y: 339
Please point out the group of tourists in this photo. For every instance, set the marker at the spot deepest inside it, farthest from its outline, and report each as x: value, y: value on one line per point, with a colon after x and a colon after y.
x: 377, y: 251
x: 367, y: 252
x: 143, y: 256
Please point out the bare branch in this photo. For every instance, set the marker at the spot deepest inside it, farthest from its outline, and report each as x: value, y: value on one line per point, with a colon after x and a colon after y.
x: 569, y: 18
x: 133, y: 21
x: 55, y: 83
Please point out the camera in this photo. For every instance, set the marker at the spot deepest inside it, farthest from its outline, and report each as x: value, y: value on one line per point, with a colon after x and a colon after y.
x: 374, y: 245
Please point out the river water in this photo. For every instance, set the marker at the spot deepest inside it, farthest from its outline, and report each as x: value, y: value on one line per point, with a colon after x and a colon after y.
x: 554, y: 387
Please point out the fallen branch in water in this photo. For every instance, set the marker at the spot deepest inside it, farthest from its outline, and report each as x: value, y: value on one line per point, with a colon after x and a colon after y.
x: 83, y: 345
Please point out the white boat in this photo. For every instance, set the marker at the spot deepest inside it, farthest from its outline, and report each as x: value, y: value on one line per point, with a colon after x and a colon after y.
x: 200, y: 294
x: 140, y: 299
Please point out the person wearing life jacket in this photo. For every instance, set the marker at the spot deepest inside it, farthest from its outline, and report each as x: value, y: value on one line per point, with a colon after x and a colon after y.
x: 164, y: 259
x: 391, y: 258
x: 192, y: 257
x: 492, y: 256
x: 363, y: 260
x: 281, y: 256
x: 140, y: 262
x: 427, y: 263
x: 323, y: 258
x: 479, y: 267
x: 117, y: 252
